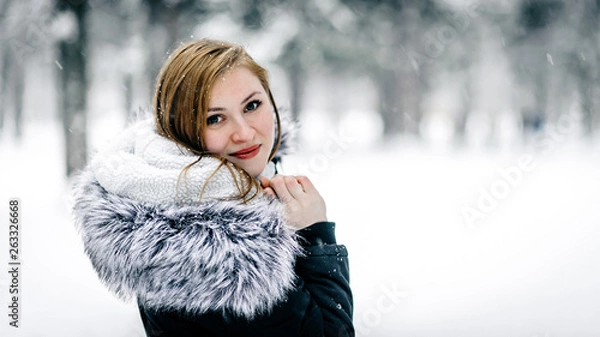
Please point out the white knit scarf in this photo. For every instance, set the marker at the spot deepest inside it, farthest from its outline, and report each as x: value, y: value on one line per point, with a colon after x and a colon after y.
x: 145, y: 166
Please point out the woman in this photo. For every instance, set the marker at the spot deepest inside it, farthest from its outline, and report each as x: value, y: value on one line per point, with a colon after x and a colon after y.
x: 180, y: 211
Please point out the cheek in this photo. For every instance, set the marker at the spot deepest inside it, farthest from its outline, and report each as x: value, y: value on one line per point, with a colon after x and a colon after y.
x: 215, y: 142
x: 267, y: 125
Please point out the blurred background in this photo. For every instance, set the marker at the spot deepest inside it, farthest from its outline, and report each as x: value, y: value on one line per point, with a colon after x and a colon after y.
x: 455, y: 141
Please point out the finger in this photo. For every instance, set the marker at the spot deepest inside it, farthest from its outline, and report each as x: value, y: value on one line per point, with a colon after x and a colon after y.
x: 294, y: 187
x: 269, y: 193
x: 264, y: 181
x: 279, y: 186
x: 306, y: 184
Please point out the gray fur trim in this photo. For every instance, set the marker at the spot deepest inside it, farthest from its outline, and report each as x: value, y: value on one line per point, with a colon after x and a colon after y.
x: 213, y: 257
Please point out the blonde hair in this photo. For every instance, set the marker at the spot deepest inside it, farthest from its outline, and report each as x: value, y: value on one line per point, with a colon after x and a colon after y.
x: 182, y: 96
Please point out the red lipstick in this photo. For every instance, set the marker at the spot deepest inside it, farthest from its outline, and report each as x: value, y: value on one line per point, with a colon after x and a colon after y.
x: 247, y: 153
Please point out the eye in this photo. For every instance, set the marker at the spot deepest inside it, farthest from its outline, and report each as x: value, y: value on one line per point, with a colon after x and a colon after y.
x: 252, y: 105
x: 214, y: 119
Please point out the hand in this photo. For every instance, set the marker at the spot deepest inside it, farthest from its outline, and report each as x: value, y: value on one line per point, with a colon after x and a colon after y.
x: 303, y: 204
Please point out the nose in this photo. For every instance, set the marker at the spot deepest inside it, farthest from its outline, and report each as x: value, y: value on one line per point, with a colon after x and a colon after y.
x: 243, y: 131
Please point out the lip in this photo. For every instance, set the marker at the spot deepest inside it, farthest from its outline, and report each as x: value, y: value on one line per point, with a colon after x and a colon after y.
x: 247, y: 153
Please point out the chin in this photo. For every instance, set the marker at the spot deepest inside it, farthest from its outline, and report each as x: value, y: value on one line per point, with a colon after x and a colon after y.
x: 253, y: 170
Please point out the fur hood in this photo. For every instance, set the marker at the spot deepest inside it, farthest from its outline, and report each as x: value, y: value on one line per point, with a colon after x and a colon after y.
x: 218, y: 255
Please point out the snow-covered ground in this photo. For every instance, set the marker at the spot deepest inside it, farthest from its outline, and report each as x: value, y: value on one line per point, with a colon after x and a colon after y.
x: 443, y: 242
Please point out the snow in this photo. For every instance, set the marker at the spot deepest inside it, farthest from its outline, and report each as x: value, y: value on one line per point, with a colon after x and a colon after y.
x: 528, y: 267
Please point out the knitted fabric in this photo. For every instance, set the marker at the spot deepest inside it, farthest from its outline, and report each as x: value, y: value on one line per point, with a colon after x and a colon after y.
x: 145, y: 166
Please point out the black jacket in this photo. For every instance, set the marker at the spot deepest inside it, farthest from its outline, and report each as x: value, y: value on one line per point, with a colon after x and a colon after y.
x: 218, y: 267
x: 319, y: 305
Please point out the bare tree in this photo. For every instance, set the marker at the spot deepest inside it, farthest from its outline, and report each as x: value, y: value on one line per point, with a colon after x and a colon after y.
x: 3, y: 77
x: 585, y: 60
x: 291, y: 61
x: 13, y: 88
x: 12, y: 69
x: 168, y: 23
x: 73, y: 83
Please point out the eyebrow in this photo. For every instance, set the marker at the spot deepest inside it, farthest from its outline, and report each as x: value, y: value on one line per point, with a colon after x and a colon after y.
x: 244, y: 101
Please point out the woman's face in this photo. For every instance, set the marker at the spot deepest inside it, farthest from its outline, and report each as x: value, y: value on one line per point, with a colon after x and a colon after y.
x: 240, y: 121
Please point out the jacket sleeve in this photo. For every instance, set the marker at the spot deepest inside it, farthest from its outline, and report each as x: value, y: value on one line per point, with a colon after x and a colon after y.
x: 324, y: 270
